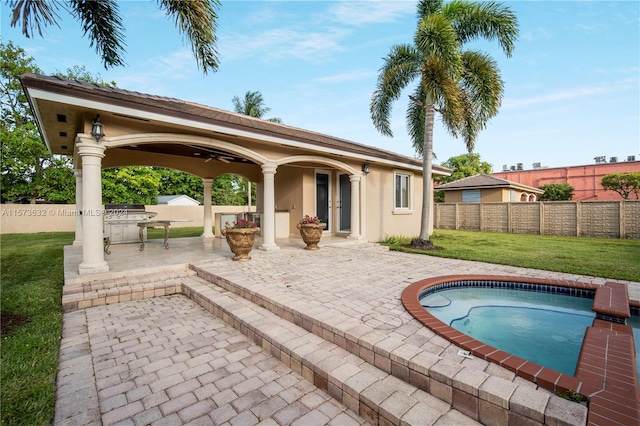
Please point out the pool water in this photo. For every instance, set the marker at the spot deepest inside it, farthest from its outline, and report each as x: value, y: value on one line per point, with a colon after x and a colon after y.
x: 540, y: 327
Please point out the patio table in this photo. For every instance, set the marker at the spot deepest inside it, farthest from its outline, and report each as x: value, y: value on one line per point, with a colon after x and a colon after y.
x: 153, y: 224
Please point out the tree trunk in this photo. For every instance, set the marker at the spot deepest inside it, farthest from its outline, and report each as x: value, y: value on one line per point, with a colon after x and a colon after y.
x: 426, y: 225
x: 426, y: 222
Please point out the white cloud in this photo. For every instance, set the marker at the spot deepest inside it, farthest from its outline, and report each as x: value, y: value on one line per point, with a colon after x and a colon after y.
x: 371, y: 12
x: 573, y: 93
x: 311, y: 46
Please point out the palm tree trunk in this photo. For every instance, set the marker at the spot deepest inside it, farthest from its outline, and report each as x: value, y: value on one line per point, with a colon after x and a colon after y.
x: 426, y: 222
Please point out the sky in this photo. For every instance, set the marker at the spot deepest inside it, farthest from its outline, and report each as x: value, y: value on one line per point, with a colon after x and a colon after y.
x: 572, y: 85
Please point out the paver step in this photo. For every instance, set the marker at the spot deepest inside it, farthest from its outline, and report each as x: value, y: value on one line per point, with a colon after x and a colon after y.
x: 611, y: 302
x: 378, y: 397
x: 480, y: 396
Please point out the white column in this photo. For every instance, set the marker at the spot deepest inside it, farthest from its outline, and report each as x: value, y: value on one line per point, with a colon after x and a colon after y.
x: 78, y: 239
x: 206, y: 233
x: 355, y: 207
x: 268, y: 222
x: 91, y: 154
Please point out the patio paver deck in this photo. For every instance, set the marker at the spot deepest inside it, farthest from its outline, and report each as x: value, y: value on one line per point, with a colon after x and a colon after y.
x: 349, y: 298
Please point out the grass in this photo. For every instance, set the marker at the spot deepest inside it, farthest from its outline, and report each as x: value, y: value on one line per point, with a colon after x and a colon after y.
x: 32, y: 277
x: 600, y: 257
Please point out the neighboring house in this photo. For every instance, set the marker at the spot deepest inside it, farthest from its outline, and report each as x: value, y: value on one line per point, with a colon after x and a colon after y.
x: 487, y: 189
x: 177, y: 200
x: 361, y: 192
x: 585, y: 180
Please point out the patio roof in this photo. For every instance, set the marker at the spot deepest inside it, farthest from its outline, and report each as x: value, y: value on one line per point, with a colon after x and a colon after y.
x: 64, y: 107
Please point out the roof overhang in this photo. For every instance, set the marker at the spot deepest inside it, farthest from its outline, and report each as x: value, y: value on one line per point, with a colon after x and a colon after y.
x: 64, y: 108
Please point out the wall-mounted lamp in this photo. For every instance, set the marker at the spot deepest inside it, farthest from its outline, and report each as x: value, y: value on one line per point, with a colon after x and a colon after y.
x: 365, y: 168
x: 97, y: 131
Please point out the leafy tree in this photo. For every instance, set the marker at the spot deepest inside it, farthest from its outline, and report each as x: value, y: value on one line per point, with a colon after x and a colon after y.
x: 252, y: 105
x: 624, y: 184
x: 231, y: 190
x: 101, y: 22
x: 175, y: 182
x: 463, y: 166
x: 556, y: 192
x: 24, y: 157
x: 135, y: 185
x: 463, y: 86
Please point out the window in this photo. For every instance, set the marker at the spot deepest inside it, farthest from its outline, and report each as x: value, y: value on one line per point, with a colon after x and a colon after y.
x: 471, y: 196
x: 401, y: 191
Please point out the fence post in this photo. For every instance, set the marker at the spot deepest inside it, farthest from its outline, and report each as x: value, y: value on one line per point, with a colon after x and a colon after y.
x: 482, y: 216
x: 509, y: 224
x: 578, y: 218
x: 621, y: 218
x: 541, y: 225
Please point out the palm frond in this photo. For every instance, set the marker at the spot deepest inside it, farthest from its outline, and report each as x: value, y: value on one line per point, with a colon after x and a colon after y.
x: 488, y: 20
x: 101, y: 21
x: 400, y: 67
x: 436, y: 37
x: 415, y: 120
x: 197, y: 20
x: 33, y: 15
x: 428, y: 7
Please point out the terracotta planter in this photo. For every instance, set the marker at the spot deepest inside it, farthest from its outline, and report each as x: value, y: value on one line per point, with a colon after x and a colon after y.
x: 311, y: 234
x: 240, y: 241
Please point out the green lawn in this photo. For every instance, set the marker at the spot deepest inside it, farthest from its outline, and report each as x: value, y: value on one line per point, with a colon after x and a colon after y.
x: 32, y: 276
x: 600, y: 257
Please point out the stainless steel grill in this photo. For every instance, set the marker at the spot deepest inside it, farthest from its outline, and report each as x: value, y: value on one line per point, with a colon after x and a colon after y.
x: 121, y: 222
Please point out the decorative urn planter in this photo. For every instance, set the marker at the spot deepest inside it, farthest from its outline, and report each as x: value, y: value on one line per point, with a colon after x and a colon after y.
x: 240, y: 241
x: 311, y: 234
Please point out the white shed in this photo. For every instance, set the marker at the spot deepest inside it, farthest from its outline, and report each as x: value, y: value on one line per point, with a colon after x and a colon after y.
x: 177, y: 200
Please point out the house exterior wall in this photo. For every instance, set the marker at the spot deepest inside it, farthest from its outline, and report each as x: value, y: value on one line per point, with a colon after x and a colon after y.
x: 584, y: 179
x: 487, y: 195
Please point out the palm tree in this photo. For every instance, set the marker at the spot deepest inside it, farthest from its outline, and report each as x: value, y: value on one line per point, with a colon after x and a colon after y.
x: 464, y: 86
x: 252, y: 105
x: 101, y: 21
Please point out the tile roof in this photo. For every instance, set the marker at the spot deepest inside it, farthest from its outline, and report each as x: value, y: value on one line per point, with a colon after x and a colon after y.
x: 480, y: 181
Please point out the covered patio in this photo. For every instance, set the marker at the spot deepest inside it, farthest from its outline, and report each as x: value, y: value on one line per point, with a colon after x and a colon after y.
x: 317, y: 174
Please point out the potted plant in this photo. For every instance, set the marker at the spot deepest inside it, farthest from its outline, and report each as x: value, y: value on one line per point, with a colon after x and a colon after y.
x: 311, y: 231
x: 241, y: 237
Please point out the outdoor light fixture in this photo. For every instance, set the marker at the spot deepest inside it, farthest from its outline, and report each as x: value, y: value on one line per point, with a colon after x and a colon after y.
x: 97, y: 131
x: 365, y: 168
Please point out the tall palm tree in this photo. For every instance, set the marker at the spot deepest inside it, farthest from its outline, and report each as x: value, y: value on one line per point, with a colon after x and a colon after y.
x: 252, y: 105
x: 464, y: 86
x: 101, y: 21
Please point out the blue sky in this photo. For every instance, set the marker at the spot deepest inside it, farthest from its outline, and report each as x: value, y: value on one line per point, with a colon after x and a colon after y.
x: 572, y: 86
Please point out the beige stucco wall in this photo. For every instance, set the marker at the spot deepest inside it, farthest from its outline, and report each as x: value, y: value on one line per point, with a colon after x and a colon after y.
x: 28, y: 218
x: 295, y: 193
x: 452, y: 196
x: 494, y: 195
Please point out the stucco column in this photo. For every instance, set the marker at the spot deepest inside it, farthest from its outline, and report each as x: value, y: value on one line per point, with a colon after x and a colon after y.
x: 78, y: 239
x: 355, y: 207
x: 268, y: 222
x: 91, y: 154
x: 206, y: 233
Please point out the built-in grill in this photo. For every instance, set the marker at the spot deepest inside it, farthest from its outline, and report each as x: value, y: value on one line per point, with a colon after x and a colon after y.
x: 121, y: 222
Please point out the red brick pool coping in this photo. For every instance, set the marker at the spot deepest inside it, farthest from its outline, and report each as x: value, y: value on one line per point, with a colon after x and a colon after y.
x: 606, y: 371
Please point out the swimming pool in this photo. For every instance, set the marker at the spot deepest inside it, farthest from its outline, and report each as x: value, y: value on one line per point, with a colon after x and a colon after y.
x: 544, y: 328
